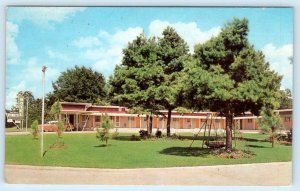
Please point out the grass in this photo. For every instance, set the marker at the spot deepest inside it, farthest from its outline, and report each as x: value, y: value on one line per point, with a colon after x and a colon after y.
x: 84, y: 150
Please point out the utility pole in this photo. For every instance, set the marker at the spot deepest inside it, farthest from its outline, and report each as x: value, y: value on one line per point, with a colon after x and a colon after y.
x: 43, y: 112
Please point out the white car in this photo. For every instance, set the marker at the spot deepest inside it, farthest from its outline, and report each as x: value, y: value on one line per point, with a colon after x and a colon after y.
x: 52, y: 122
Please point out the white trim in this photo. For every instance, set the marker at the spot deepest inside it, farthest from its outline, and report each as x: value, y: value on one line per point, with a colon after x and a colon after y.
x: 248, y: 117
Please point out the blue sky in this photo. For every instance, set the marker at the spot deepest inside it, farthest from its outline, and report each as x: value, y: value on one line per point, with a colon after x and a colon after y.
x: 61, y: 37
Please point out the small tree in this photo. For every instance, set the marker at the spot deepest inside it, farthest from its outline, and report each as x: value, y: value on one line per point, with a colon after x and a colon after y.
x: 35, y: 129
x: 270, y: 122
x: 103, y: 133
x: 60, y: 128
x: 55, y: 110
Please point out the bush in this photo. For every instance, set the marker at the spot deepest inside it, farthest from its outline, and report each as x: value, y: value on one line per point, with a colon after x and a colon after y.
x: 158, y: 133
x: 115, y: 134
x: 281, y: 137
x: 143, y: 134
x: 290, y: 135
x: 35, y: 129
x: 103, y: 130
x: 60, y: 128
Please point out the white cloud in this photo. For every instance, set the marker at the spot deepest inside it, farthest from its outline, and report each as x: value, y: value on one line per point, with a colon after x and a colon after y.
x: 190, y: 32
x: 278, y: 57
x: 29, y: 78
x: 86, y: 42
x: 12, y: 93
x: 43, y: 16
x: 121, y: 37
x: 110, y: 54
x: 12, y: 51
x: 57, y: 55
x: 33, y: 71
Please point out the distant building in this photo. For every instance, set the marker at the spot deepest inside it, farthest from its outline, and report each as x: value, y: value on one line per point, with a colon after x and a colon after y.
x: 14, y: 117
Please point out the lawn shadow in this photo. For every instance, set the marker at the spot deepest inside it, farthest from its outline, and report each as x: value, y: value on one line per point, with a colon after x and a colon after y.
x: 197, y: 138
x: 186, y: 151
x: 251, y: 140
x: 103, y: 145
x: 285, y: 143
x: 256, y: 146
x: 122, y: 138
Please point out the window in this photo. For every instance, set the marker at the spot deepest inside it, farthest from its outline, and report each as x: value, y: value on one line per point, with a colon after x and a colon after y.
x: 203, y: 120
x: 97, y: 119
x: 174, y: 119
x: 130, y: 118
x: 217, y: 120
x: 188, y: 120
x: 249, y: 120
x: 287, y: 119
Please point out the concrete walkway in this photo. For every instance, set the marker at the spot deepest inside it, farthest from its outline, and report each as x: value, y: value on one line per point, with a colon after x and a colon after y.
x: 263, y: 174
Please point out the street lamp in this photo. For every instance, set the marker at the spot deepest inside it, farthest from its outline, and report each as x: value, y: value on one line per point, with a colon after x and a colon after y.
x: 43, y: 111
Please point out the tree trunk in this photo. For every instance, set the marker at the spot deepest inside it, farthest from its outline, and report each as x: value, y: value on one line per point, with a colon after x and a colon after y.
x: 272, y: 137
x: 147, y: 118
x: 229, y: 119
x: 169, y: 123
x: 150, y: 125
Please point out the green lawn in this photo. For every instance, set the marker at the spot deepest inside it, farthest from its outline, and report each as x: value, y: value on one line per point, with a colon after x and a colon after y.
x: 83, y: 150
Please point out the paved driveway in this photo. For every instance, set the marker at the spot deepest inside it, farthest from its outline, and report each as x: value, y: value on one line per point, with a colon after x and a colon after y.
x: 263, y: 174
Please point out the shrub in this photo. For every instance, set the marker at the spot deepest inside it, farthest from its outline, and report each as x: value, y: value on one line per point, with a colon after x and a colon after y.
x: 143, y: 134
x: 115, y: 134
x: 60, y: 128
x: 35, y: 129
x: 281, y: 137
x: 290, y: 135
x: 103, y: 133
x: 158, y: 133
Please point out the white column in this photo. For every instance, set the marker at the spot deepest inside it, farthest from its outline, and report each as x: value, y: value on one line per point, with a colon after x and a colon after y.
x: 115, y: 121
x: 140, y: 122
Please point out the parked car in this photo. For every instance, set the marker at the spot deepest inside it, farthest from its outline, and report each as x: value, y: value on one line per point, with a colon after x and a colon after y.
x: 51, y: 126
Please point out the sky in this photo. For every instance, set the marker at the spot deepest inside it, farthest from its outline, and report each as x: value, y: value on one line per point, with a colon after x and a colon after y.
x: 62, y: 37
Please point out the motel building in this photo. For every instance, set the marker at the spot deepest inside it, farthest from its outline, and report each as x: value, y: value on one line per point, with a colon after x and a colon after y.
x: 85, y: 116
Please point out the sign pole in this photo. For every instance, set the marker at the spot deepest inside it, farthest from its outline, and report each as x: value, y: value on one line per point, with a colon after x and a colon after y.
x: 26, y: 113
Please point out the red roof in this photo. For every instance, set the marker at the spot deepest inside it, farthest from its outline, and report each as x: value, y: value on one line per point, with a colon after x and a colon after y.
x: 73, y: 107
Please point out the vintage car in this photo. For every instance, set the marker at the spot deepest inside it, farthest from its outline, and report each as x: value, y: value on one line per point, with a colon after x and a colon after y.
x: 51, y: 126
